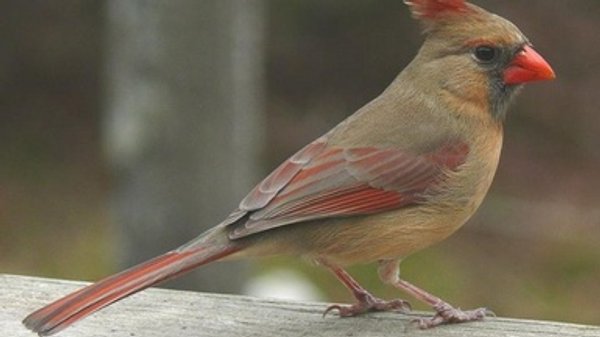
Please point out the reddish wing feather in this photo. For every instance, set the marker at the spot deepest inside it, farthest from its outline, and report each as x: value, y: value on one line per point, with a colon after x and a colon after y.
x: 260, y: 196
x: 344, y: 182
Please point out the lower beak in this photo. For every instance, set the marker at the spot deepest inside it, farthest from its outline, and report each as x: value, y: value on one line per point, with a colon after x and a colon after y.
x: 528, y: 66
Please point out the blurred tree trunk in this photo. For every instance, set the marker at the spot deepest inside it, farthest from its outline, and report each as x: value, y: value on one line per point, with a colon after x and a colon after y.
x: 183, y: 123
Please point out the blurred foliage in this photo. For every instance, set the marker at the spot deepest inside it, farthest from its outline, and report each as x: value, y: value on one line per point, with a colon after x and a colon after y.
x: 53, y: 180
x: 531, y: 251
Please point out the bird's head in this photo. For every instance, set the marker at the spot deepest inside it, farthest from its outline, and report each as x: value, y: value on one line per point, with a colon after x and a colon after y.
x: 475, y: 55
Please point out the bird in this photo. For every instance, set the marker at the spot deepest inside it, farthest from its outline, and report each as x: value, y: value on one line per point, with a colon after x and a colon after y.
x: 400, y: 174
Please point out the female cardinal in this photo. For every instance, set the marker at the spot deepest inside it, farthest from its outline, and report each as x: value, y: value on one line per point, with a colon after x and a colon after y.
x: 402, y: 173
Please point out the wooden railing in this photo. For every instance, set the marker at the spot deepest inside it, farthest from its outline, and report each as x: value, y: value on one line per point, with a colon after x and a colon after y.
x: 171, y: 313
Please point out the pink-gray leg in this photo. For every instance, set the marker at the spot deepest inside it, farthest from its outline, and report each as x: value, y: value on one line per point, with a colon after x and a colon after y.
x: 365, y: 300
x: 389, y: 272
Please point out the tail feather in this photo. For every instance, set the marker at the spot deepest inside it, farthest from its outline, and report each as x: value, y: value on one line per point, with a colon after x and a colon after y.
x: 63, y: 312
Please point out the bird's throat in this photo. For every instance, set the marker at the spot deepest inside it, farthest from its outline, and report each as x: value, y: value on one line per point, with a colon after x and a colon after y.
x: 500, y: 98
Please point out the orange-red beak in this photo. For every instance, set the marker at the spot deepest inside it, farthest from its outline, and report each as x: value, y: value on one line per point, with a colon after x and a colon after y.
x: 528, y: 66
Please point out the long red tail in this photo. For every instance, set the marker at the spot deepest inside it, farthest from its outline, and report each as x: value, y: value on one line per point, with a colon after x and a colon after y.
x: 71, y: 308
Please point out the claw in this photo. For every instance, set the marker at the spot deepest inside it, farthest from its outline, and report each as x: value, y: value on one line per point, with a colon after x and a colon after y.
x: 332, y: 307
x: 394, y: 305
x: 489, y: 313
x: 447, y: 314
x: 371, y: 304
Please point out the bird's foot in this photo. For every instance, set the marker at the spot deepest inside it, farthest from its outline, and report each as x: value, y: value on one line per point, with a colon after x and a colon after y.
x: 447, y: 314
x: 369, y: 303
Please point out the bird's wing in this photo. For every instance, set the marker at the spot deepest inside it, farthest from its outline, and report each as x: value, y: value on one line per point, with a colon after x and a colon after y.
x: 322, y: 181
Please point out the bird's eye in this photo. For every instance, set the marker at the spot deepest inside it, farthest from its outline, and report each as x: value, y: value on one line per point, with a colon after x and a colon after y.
x: 485, y: 54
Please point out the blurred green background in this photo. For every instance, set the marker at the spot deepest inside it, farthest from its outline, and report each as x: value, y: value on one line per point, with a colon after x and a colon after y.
x: 532, y: 250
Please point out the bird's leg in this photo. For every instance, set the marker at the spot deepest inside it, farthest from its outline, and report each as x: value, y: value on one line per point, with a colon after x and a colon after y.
x: 389, y: 272
x: 365, y: 300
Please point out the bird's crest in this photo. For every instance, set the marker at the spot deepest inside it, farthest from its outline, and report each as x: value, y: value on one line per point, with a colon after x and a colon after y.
x: 431, y: 10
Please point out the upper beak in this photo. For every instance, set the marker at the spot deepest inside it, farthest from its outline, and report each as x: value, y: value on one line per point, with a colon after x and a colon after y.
x: 528, y: 66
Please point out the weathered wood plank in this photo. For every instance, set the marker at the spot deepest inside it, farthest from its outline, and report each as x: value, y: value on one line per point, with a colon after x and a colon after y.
x: 160, y: 312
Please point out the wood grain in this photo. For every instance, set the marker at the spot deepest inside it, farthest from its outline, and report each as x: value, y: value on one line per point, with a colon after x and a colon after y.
x: 161, y: 312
